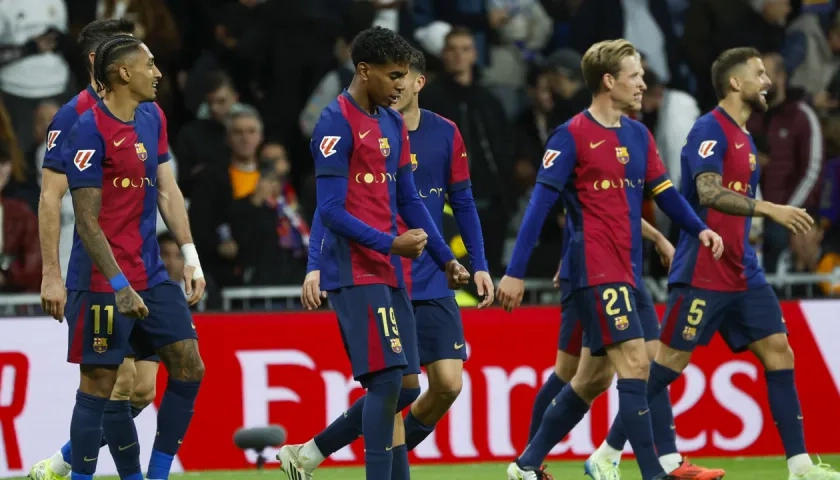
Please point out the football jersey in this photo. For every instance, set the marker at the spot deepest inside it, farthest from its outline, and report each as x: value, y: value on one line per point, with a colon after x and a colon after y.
x: 602, y: 174
x: 121, y: 158
x: 718, y: 145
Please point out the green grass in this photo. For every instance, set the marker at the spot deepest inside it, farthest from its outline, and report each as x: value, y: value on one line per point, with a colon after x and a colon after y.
x: 741, y: 468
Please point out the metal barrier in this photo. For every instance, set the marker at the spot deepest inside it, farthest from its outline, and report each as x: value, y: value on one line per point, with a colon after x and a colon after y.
x: 537, y: 291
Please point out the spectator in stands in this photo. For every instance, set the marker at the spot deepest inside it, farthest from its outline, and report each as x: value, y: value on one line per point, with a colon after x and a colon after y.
x: 457, y: 95
x: 16, y: 186
x: 218, y: 186
x: 435, y: 19
x: 32, y: 68
x: 20, y: 254
x: 533, y: 128
x: 519, y: 39
x: 293, y: 228
x: 830, y: 205
x: 790, y: 134
x: 201, y: 142
x: 811, y: 55
x: 172, y: 258
x: 566, y: 81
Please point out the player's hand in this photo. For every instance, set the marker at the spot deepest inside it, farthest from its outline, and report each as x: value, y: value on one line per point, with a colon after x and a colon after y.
x: 485, y: 288
x: 130, y: 304
x: 311, y: 293
x: 712, y: 240
x: 794, y: 219
x: 510, y: 292
x: 665, y: 250
x: 194, y: 287
x: 53, y: 296
x: 456, y: 275
x: 555, y: 281
x: 410, y: 244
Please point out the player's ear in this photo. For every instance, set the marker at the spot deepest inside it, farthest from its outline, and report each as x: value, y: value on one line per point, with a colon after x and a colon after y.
x: 125, y: 74
x: 92, y: 58
x: 608, y: 80
x: 420, y: 82
x: 735, y: 83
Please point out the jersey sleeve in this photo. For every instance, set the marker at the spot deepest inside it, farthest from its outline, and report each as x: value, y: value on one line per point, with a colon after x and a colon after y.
x: 331, y: 146
x: 704, y: 148
x: 656, y: 177
x: 83, y: 152
x: 559, y: 159
x: 459, y: 168
x: 56, y: 134
x: 163, y: 136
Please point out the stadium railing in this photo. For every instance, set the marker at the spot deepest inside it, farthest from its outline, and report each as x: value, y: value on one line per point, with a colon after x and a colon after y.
x: 537, y: 291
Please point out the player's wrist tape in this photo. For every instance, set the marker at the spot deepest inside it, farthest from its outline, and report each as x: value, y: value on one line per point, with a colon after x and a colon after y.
x: 118, y: 282
x: 191, y: 259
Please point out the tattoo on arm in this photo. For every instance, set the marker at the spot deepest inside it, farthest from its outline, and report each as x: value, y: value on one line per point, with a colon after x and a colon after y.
x: 712, y: 194
x: 86, y: 204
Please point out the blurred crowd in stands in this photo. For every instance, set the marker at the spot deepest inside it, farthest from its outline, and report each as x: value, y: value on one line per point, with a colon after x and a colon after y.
x: 244, y: 82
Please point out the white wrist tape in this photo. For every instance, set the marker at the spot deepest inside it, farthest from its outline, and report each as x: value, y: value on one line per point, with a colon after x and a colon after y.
x: 191, y: 259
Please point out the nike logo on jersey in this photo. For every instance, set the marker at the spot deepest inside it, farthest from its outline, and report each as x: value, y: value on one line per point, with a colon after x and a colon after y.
x: 180, y: 441
x: 459, y: 346
x: 117, y: 144
x: 127, y: 446
x: 363, y: 135
x: 739, y: 145
x: 596, y: 144
x: 388, y: 449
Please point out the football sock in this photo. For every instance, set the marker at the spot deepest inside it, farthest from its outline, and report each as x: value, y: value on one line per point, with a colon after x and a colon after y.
x: 135, y: 411
x: 547, y: 392
x: 561, y: 416
x: 635, y: 416
x: 86, y: 434
x: 660, y: 378
x: 664, y: 430
x: 378, y: 422
x: 784, y: 406
x: 118, y: 426
x: 407, y: 397
x: 174, y: 416
x: 415, y: 431
x: 399, y: 468
x: 342, y: 431
x: 60, y: 462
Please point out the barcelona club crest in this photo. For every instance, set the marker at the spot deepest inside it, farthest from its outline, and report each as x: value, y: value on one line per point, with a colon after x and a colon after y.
x: 141, y: 151
x: 384, y: 147
x: 413, y: 162
x: 396, y: 345
x: 689, y: 333
x: 622, y: 155
x: 100, y: 344
x: 621, y: 323
x: 752, y: 162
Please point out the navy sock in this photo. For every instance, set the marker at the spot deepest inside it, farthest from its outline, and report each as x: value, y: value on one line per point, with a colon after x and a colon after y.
x: 118, y: 427
x: 635, y: 415
x: 784, y: 406
x: 344, y: 430
x: 664, y: 430
x: 174, y: 416
x: 378, y: 422
x: 407, y: 397
x: 415, y: 431
x: 399, y: 468
x: 660, y: 378
x: 135, y: 411
x: 561, y: 416
x: 547, y: 392
x: 67, y: 452
x: 86, y: 434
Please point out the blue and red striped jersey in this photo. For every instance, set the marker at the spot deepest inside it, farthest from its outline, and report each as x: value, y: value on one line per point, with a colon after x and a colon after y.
x: 440, y: 166
x: 370, y: 151
x: 64, y: 120
x: 121, y: 158
x: 602, y: 174
x: 717, y: 144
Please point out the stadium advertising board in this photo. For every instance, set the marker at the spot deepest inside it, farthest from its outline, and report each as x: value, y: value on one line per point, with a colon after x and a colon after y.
x: 290, y: 369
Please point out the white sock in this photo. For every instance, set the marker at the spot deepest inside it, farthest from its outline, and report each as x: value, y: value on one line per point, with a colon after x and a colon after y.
x: 58, y: 465
x: 800, y: 464
x: 606, y: 452
x: 310, y: 456
x: 670, y: 462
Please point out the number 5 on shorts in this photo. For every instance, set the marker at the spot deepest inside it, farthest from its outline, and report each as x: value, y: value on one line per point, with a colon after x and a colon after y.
x: 695, y: 312
x: 387, y: 314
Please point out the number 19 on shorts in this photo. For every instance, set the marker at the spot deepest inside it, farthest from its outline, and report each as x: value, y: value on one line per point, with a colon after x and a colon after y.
x: 389, y: 321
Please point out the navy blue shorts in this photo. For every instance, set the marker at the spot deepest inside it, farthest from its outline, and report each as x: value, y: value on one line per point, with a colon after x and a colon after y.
x: 377, y: 328
x: 440, y: 333
x: 742, y: 318
x: 570, y: 340
x: 99, y: 335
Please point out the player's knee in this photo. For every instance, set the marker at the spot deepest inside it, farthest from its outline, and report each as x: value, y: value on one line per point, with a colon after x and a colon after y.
x: 98, y: 380
x: 566, y: 366
x: 775, y: 352
x: 633, y: 361
x: 447, y: 388
x: 143, y: 394
x: 124, y: 386
x: 672, y: 358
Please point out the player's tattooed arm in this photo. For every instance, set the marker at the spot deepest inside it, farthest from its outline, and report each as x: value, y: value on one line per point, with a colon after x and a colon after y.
x: 86, y: 203
x: 714, y: 195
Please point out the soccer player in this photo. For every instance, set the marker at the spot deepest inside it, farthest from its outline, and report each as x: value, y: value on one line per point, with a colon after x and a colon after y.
x: 362, y: 183
x: 731, y: 296
x: 439, y: 164
x: 602, y: 162
x: 116, y: 165
x: 135, y: 379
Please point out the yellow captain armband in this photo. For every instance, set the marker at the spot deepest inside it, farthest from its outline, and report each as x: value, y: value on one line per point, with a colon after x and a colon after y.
x: 661, y: 188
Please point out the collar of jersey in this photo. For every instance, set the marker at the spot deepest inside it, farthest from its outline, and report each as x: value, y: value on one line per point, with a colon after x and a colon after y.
x: 588, y: 115
x: 353, y: 101
x: 104, y: 109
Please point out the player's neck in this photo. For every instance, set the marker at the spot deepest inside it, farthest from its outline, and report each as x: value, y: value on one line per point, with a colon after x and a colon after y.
x: 121, y: 105
x: 411, y: 116
x: 605, y: 112
x: 94, y: 86
x: 361, y: 97
x: 737, y: 109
